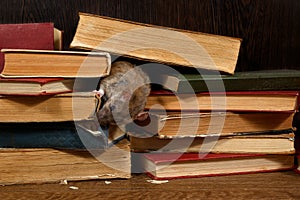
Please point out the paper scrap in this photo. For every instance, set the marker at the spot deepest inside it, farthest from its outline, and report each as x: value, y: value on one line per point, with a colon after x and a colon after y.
x: 157, y: 182
x: 73, y: 188
x: 107, y: 182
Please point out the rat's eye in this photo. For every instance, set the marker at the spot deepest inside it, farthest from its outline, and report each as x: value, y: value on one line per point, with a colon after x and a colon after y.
x: 112, y: 107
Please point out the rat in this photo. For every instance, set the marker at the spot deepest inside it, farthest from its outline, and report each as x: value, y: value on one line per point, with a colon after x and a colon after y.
x: 123, y: 95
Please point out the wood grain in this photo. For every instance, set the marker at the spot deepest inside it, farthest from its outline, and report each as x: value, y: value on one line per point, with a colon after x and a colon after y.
x: 278, y: 185
x: 270, y: 29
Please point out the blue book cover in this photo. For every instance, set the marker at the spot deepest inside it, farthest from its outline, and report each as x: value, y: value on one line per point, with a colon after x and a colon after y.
x: 51, y: 135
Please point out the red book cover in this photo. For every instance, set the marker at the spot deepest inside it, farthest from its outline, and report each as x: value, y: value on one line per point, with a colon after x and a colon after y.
x: 258, y: 92
x: 38, y: 36
x: 284, y: 162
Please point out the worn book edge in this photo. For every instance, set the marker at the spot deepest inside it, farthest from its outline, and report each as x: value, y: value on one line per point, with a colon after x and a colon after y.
x: 76, y: 43
x: 57, y: 52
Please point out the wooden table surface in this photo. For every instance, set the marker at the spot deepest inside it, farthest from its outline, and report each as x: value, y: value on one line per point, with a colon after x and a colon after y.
x: 277, y: 185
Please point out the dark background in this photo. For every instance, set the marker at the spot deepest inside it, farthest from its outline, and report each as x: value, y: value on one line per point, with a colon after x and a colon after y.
x: 270, y: 29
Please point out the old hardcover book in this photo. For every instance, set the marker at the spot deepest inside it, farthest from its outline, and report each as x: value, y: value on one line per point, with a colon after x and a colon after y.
x: 27, y: 36
x: 67, y: 64
x: 60, y: 135
x: 47, y: 165
x: 230, y: 101
x: 278, y: 142
x: 239, y: 81
x: 223, y: 123
x: 155, y: 43
x: 191, y: 165
x: 46, y: 86
x: 48, y: 108
x: 35, y: 86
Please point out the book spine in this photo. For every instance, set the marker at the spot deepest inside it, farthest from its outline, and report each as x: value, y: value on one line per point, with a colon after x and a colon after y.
x: 280, y: 83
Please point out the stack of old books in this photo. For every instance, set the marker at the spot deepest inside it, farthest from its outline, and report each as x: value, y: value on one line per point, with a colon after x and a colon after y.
x: 47, y: 102
x: 211, y: 119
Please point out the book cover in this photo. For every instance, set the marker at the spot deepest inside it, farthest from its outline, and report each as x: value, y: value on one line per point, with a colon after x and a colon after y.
x: 230, y: 101
x: 21, y: 63
x: 239, y: 81
x: 26, y: 36
x: 158, y: 44
x: 86, y: 134
x: 35, y: 86
x: 223, y: 123
x: 62, y: 135
x: 276, y: 142
x: 192, y: 165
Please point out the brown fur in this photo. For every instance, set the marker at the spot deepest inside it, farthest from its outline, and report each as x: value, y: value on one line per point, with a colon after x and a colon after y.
x: 124, y: 101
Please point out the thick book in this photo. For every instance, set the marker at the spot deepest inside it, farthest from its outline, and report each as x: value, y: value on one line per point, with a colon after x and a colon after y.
x: 278, y: 142
x: 230, y: 101
x: 22, y: 63
x: 239, y: 81
x: 192, y: 165
x: 157, y: 44
x: 220, y: 123
x: 48, y: 165
x: 48, y: 108
x: 46, y: 86
x: 42, y: 36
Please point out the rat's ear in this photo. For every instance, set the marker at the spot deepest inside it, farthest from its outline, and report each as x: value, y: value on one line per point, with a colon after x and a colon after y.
x: 142, y: 116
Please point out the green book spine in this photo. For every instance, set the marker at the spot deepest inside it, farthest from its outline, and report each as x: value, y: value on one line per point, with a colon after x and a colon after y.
x: 240, y: 81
